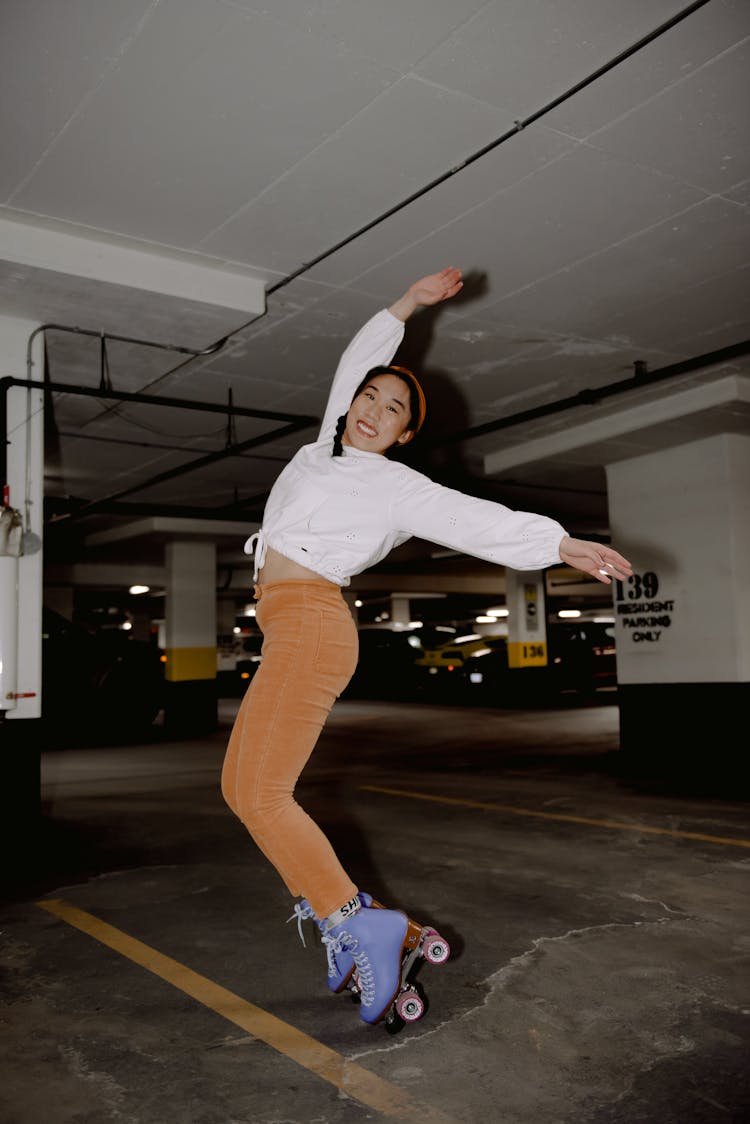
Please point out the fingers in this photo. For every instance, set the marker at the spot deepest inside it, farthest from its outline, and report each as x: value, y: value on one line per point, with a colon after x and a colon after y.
x: 451, y: 279
x: 438, y: 286
x: 601, y: 562
x: 618, y: 567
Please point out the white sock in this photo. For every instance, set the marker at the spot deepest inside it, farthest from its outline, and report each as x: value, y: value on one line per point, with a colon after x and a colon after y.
x: 347, y: 910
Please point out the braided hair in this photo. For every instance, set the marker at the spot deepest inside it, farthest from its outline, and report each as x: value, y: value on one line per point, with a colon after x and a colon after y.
x: 416, y: 410
x: 340, y: 427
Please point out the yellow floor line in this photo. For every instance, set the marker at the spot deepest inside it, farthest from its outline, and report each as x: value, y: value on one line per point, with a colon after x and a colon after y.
x: 351, y: 1078
x: 559, y: 816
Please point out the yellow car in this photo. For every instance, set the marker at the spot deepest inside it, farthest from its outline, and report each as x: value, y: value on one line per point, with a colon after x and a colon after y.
x: 451, y: 656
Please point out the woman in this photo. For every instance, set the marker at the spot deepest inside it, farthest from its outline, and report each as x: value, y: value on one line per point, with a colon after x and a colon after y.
x: 337, y: 508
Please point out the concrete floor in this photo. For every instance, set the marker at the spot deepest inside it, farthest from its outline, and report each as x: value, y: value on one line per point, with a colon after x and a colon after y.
x: 599, y: 926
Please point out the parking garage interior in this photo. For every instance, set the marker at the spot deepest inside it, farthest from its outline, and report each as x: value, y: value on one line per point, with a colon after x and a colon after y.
x: 199, y: 207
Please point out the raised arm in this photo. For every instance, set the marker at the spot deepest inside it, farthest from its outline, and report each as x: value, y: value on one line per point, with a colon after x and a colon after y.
x: 428, y: 290
x: 377, y: 341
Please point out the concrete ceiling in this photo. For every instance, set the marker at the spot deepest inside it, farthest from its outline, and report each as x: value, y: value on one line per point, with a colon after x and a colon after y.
x: 256, y: 179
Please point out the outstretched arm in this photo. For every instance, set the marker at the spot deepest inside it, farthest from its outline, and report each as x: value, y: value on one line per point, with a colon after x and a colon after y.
x: 428, y: 290
x: 377, y: 341
x: 602, y: 562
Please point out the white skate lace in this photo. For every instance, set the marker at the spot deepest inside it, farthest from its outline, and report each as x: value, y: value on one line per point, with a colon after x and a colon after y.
x: 301, y: 913
x: 333, y: 945
x: 345, y: 942
x: 366, y: 980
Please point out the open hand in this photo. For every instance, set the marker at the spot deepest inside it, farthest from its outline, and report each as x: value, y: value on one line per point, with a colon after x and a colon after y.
x: 602, y: 562
x: 437, y: 287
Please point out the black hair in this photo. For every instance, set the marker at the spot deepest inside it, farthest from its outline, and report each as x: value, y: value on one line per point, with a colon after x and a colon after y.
x: 340, y: 427
x: 371, y: 374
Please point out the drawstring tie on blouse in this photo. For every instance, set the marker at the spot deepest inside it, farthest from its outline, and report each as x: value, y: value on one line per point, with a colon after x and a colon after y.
x: 256, y: 545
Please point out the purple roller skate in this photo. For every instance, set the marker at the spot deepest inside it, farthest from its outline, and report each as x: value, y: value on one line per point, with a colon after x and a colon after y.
x: 375, y: 939
x: 340, y: 962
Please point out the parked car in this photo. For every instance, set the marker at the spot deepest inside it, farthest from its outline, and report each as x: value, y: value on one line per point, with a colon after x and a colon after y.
x: 454, y: 653
x: 386, y: 664
x: 441, y: 666
x: 581, y: 659
x: 237, y: 659
x: 101, y: 682
x: 583, y: 656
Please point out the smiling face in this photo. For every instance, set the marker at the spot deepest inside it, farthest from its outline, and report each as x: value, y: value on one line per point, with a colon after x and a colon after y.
x: 379, y: 416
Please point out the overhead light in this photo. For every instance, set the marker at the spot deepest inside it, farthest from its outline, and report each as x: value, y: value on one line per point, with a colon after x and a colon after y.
x: 569, y: 613
x: 498, y: 611
x: 416, y: 624
x: 126, y: 625
x: 485, y: 620
x: 465, y: 639
x: 358, y: 604
x: 249, y: 611
x: 139, y: 589
x: 603, y: 620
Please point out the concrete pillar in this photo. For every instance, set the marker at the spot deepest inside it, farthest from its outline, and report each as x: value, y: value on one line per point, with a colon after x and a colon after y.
x: 525, y: 598
x: 21, y: 578
x: 190, y: 637
x: 400, y: 611
x: 682, y: 516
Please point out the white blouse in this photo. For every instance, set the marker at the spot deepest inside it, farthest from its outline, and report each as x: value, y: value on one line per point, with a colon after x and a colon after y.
x: 340, y: 515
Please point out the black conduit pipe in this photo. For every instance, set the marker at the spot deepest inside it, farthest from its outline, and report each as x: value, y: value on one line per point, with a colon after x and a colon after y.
x: 294, y: 422
x: 590, y: 396
x: 519, y: 126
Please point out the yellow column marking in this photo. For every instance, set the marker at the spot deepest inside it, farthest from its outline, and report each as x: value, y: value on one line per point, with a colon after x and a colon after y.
x: 618, y: 825
x: 351, y: 1078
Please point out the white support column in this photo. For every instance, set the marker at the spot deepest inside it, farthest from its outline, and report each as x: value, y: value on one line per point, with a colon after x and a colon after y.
x: 190, y: 635
x: 25, y: 476
x: 527, y: 618
x: 400, y: 611
x: 682, y: 516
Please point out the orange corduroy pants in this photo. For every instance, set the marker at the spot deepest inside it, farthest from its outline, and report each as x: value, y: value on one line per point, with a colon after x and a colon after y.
x: 309, y: 654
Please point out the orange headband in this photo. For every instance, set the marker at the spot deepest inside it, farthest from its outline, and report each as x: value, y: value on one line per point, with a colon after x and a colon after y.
x: 411, y: 378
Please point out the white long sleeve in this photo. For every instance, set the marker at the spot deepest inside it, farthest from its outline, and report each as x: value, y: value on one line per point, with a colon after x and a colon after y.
x: 482, y: 528
x: 374, y: 345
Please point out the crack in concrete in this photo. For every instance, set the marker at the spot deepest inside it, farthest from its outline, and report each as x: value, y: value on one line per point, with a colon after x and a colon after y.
x: 497, y: 978
x: 654, y: 901
x: 495, y: 981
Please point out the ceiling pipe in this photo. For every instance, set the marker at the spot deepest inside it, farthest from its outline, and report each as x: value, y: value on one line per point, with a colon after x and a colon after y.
x: 192, y: 354
x: 249, y: 509
x: 589, y: 396
x: 641, y: 378
x: 210, y: 458
x: 294, y: 422
x: 518, y: 126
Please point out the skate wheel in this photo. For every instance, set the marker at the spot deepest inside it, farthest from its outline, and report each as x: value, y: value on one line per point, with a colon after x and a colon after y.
x: 409, y: 1006
x: 436, y: 949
